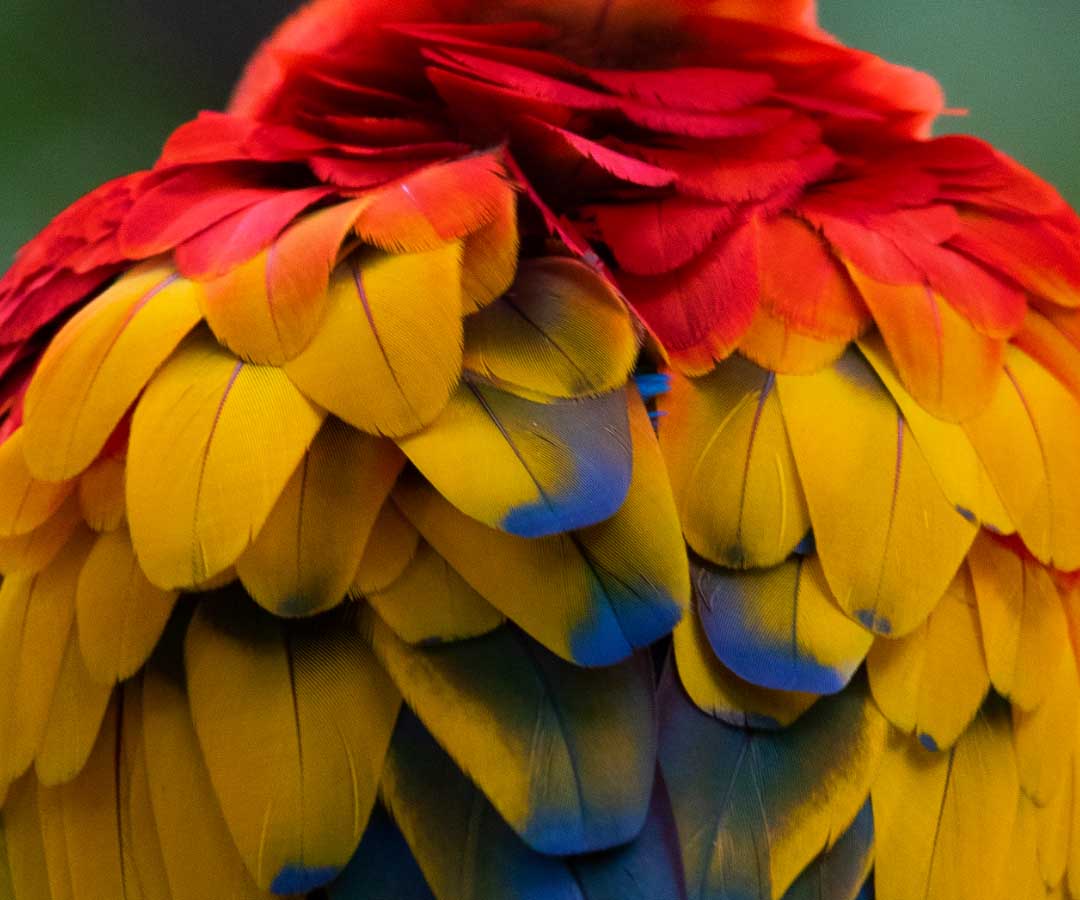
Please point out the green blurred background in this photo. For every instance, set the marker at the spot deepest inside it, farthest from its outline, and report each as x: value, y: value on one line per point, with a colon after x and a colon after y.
x: 90, y: 90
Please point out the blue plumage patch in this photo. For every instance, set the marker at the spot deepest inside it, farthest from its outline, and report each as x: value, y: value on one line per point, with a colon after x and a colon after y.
x: 652, y: 385
x: 295, y: 879
x: 869, y: 619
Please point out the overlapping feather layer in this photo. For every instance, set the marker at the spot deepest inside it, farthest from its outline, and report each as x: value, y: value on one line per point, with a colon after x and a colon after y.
x: 356, y: 457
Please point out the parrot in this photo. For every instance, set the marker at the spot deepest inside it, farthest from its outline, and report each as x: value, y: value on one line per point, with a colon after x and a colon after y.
x: 546, y: 450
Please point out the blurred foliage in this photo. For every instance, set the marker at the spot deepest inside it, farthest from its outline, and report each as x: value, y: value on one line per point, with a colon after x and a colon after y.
x: 90, y: 90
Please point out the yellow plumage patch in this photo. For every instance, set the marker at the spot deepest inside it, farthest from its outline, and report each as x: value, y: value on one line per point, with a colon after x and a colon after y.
x: 120, y: 613
x: 773, y: 344
x: 25, y: 849
x: 293, y: 765
x: 490, y: 257
x: 25, y: 502
x: 389, y: 550
x: 731, y: 466
x: 561, y: 332
x: 430, y: 602
x: 213, y: 443
x: 96, y: 366
x: 388, y: 352
x: 868, y: 485
x: 933, y: 680
x: 1023, y: 625
x: 101, y: 493
x: 943, y: 821
x: 306, y: 553
x: 29, y: 553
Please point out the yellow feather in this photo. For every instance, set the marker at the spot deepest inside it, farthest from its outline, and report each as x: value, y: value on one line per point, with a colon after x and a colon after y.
x: 294, y: 738
x: 1022, y: 879
x: 943, y: 821
x: 121, y: 614
x: 25, y: 502
x: 50, y: 612
x: 1046, y: 738
x: 138, y: 836
x: 773, y: 344
x: 213, y: 443
x: 490, y: 256
x: 716, y: 690
x: 591, y: 595
x: 101, y: 493
x: 389, y: 550
x: 26, y: 851
x: 431, y: 602
x: 306, y: 554
x: 29, y: 553
x: 933, y: 680
x: 561, y: 332
x: 1023, y: 625
x: 51, y: 814
x: 78, y: 707
x: 947, y: 449
x: 949, y: 367
x: 97, y: 365
x: 1054, y: 823
x: 200, y: 858
x: 388, y: 352
x: 731, y: 466
x: 868, y: 485
x: 14, y: 602
x: 1028, y: 440
x: 1073, y: 863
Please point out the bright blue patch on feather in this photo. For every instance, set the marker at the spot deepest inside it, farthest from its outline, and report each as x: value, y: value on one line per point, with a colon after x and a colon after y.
x: 293, y: 879
x: 929, y: 743
x: 871, y: 620
x: 773, y: 666
x: 807, y: 546
x: 591, y: 497
x: 652, y: 385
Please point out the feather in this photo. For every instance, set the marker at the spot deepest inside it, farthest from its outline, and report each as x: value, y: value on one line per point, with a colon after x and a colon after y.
x: 804, y: 285
x: 564, y: 754
x: 947, y: 448
x: 120, y: 613
x: 489, y: 258
x: 439, y: 203
x: 382, y: 866
x: 840, y: 872
x: 1023, y: 626
x: 101, y: 494
x: 731, y: 466
x: 1021, y: 877
x: 293, y: 764
x: 46, y: 626
x: 773, y: 344
x: 389, y: 550
x: 943, y: 821
x: 465, y: 849
x: 431, y: 603
x: 197, y: 850
x: 304, y: 557
x: 387, y: 354
x: 933, y: 680
x: 1054, y: 827
x: 1026, y: 441
x: 25, y: 849
x: 1045, y: 738
x: 6, y: 887
x: 78, y: 707
x: 561, y: 332
x: 574, y: 150
x: 26, y: 503
x: 213, y: 443
x: 846, y: 431
x: 268, y: 309
x: 701, y: 310
x: 27, y: 554
x: 953, y: 376
x: 591, y: 596
x: 51, y: 816
x: 98, y: 364
x: 779, y: 628
x: 531, y: 469
x: 720, y: 693
x: 749, y: 810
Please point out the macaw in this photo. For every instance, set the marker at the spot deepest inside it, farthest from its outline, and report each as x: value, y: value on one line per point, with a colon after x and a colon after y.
x: 546, y: 449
